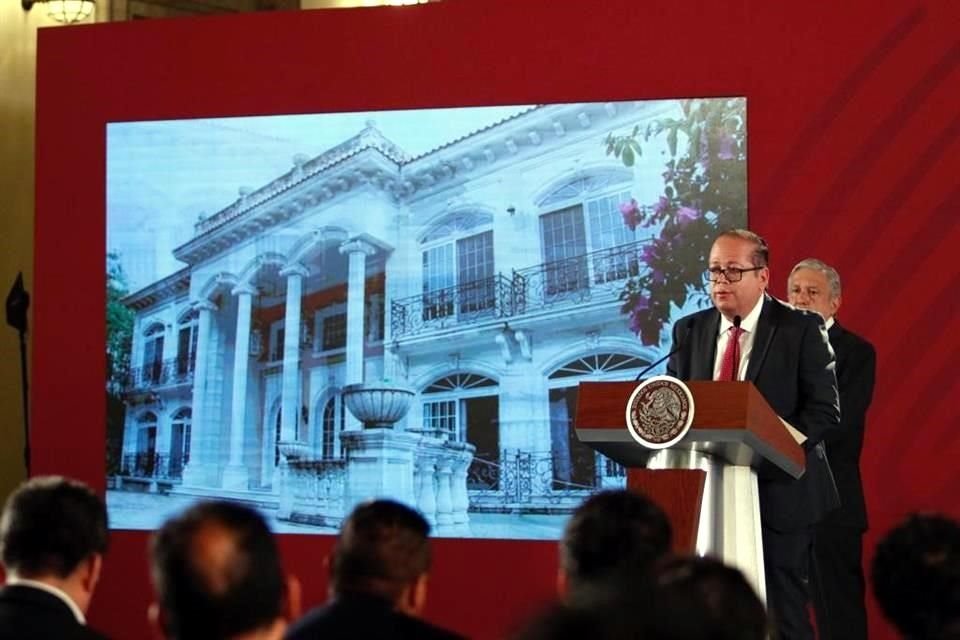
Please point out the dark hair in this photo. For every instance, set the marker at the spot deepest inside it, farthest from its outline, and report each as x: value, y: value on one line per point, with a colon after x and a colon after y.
x: 613, y: 535
x: 383, y: 548
x: 50, y: 524
x: 617, y: 617
x: 217, y: 573
x: 701, y: 598
x: 760, y: 257
x: 916, y: 577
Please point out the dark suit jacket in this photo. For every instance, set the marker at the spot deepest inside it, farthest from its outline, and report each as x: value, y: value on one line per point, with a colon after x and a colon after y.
x: 31, y: 614
x: 792, y: 366
x: 856, y: 369
x: 352, y: 616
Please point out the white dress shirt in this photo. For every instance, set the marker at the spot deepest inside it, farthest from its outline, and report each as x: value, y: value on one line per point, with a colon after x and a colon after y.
x: 749, y: 327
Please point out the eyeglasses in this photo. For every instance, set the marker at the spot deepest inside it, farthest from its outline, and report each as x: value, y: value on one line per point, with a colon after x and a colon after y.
x: 730, y: 274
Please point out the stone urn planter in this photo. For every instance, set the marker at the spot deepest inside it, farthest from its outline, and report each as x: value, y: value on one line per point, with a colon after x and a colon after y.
x: 377, y: 404
x: 293, y: 451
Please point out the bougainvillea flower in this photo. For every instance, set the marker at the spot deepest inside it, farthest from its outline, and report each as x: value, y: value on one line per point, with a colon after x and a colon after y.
x: 631, y: 213
x: 725, y: 146
x: 686, y: 215
x: 661, y: 205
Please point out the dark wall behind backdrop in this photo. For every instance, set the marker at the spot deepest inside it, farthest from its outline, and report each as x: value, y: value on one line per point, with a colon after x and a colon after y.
x: 854, y: 124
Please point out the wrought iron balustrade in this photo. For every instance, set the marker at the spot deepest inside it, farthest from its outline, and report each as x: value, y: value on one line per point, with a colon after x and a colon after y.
x: 469, y: 302
x: 155, y: 374
x: 154, y: 465
x: 525, y: 478
x: 598, y: 275
x: 140, y: 465
x: 577, y: 279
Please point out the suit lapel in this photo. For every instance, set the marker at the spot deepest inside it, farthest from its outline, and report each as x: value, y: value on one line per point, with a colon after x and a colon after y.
x: 766, y: 328
x: 706, y: 343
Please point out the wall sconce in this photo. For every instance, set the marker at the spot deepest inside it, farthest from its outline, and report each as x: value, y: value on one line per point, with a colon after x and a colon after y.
x: 64, y: 10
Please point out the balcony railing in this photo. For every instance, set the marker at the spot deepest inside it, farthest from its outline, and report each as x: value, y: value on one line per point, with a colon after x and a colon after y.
x: 467, y: 303
x: 156, y: 374
x: 576, y: 280
x: 153, y: 465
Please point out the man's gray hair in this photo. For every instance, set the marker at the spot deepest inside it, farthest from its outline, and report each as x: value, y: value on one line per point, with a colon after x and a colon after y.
x: 833, y: 278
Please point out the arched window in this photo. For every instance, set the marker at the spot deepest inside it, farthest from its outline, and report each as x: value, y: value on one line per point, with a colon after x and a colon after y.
x: 180, y: 432
x: 583, y: 235
x: 144, y: 460
x: 606, y: 365
x: 153, y: 354
x: 186, y: 343
x: 458, y: 270
x: 466, y: 407
x: 574, y: 463
x: 332, y: 415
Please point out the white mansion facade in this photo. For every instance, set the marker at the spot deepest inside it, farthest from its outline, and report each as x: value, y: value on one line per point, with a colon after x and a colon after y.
x: 482, y: 276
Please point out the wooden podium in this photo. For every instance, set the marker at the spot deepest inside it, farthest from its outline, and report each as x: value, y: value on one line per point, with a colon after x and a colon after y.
x: 706, y: 482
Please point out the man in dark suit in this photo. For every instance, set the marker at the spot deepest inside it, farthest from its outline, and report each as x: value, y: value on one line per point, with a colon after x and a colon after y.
x: 785, y: 353
x: 838, y: 584
x: 378, y: 579
x: 53, y: 534
x: 216, y: 572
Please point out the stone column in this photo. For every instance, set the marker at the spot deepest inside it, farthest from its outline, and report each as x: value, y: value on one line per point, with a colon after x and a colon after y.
x: 235, y: 475
x: 290, y: 393
x: 357, y: 250
x: 461, y: 499
x: 202, y: 438
x: 444, y: 491
x: 426, y: 490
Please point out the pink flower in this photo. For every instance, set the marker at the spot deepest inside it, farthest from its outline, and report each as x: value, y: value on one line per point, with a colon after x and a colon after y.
x: 686, y: 215
x: 725, y: 144
x: 641, y: 304
x: 661, y: 205
x: 631, y: 213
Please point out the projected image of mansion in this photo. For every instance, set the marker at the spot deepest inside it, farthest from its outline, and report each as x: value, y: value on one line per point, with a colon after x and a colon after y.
x: 453, y: 300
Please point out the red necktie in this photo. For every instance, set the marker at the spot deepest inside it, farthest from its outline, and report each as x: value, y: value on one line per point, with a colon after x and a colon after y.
x: 731, y: 356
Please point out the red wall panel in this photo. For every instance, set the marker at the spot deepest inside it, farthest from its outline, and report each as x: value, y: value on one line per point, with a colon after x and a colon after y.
x: 854, y: 130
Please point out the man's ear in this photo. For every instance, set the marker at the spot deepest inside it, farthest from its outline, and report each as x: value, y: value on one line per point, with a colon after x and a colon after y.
x: 563, y: 585
x: 835, y: 305
x: 91, y: 572
x: 157, y: 621
x: 292, y: 605
x: 413, y: 599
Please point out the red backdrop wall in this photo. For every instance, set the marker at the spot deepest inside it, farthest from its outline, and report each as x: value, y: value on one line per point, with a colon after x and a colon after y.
x: 854, y: 133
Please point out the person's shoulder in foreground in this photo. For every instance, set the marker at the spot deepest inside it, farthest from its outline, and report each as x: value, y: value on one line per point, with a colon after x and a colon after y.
x: 53, y: 535
x: 378, y: 579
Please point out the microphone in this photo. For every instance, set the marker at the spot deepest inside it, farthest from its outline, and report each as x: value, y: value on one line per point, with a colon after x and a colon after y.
x: 680, y: 345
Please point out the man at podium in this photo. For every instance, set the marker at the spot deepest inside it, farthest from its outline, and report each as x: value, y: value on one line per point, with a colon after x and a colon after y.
x: 785, y: 353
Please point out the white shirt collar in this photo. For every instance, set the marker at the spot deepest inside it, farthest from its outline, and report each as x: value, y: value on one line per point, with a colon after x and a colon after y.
x: 52, y: 590
x: 749, y: 323
x: 829, y: 322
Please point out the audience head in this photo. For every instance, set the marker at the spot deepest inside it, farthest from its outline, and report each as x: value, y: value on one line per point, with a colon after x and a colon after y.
x: 614, y: 536
x: 54, y: 530
x: 217, y: 575
x: 700, y: 598
x: 740, y: 259
x: 814, y: 285
x: 383, y: 550
x: 916, y: 577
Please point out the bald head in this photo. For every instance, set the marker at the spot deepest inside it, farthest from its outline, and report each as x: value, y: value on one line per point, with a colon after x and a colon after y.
x: 216, y: 571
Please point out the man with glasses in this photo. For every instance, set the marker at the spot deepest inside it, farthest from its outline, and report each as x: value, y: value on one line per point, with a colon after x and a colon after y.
x: 838, y: 545
x: 785, y: 353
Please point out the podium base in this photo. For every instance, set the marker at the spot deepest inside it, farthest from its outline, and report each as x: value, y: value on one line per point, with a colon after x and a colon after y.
x: 714, y: 507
